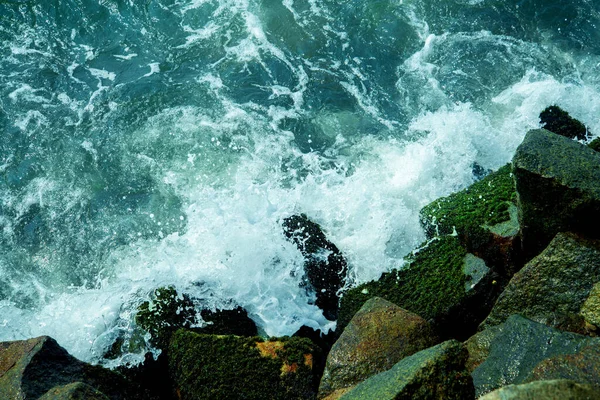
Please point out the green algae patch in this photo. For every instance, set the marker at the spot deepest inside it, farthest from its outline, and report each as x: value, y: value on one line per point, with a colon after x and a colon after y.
x: 433, y: 283
x: 483, y: 204
x: 233, y: 367
x: 164, y: 314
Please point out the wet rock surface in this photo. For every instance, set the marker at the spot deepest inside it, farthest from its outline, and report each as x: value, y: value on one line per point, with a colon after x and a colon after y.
x: 558, y: 188
x: 554, y: 285
x: 435, y: 373
x: 545, y: 390
x: 518, y: 347
x: 379, y: 335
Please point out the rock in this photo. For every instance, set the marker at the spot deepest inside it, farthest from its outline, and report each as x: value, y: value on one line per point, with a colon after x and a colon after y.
x: 558, y: 121
x: 595, y: 144
x: 227, y: 322
x: 169, y: 310
x: 74, y: 391
x: 518, y: 347
x: 560, y: 389
x: 232, y: 367
x: 433, y: 286
x: 164, y: 314
x: 485, y: 203
x: 591, y: 307
x: 379, y: 335
x: 554, y: 285
x: 325, y: 267
x: 478, y: 347
x: 435, y: 373
x: 558, y: 188
x: 31, y: 368
x: 582, y: 366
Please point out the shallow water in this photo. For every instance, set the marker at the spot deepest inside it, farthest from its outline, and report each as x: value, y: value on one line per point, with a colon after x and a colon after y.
x: 151, y: 143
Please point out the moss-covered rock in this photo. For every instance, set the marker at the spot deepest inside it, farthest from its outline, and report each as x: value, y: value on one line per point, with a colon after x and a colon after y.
x: 232, y: 367
x: 558, y: 121
x: 166, y: 312
x: 552, y: 287
x: 325, y: 266
x: 435, y: 373
x: 379, y: 335
x: 595, y: 144
x: 436, y: 285
x: 559, y: 389
x: 31, y: 368
x: 518, y: 347
x: 558, y: 186
x: 590, y: 310
x: 486, y: 203
x: 227, y: 322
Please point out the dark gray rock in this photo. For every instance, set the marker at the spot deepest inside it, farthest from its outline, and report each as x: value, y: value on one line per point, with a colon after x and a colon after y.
x: 557, y: 120
x: 435, y: 373
x: 325, y: 266
x: 517, y: 349
x: 30, y: 368
x: 558, y: 188
x: 379, y: 335
x: 545, y: 390
x: 553, y: 287
x: 582, y: 366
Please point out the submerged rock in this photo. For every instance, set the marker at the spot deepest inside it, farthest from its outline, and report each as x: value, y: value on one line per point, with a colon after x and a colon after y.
x: 560, y: 389
x: 325, y: 267
x: 558, y: 186
x: 379, y: 335
x: 554, y: 285
x: 435, y: 373
x: 518, y: 346
x: 438, y: 285
x: 232, y: 367
x: 32, y: 368
x: 558, y: 121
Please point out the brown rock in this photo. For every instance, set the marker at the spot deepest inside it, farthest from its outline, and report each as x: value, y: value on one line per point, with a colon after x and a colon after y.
x: 379, y: 335
x: 545, y: 390
x: 582, y: 367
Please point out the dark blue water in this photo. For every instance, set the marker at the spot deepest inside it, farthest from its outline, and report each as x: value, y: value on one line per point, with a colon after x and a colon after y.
x: 149, y: 143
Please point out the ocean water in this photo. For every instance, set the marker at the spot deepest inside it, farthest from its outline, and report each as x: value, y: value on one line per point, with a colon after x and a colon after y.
x: 162, y: 142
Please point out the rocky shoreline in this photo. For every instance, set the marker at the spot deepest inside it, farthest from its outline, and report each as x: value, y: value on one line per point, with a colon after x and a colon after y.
x: 501, y: 302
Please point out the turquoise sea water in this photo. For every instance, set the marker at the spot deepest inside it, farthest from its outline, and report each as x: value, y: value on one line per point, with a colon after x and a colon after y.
x: 157, y: 142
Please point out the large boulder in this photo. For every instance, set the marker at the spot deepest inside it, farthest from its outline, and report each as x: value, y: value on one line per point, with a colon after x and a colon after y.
x: 442, y: 283
x: 557, y: 120
x: 553, y: 287
x: 517, y: 347
x: 379, y: 335
x: 232, y: 367
x: 560, y: 389
x: 435, y: 373
x: 325, y: 266
x: 558, y: 188
x: 31, y: 368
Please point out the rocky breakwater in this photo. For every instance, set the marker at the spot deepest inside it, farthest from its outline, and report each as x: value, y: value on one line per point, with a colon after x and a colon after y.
x: 510, y: 268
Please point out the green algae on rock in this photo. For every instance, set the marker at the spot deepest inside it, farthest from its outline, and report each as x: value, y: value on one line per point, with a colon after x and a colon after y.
x: 164, y: 314
x: 485, y: 203
x: 559, y: 389
x: 232, y: 367
x: 433, y: 282
x: 379, y: 335
x: 435, y: 373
